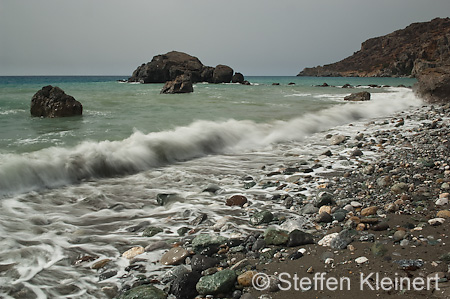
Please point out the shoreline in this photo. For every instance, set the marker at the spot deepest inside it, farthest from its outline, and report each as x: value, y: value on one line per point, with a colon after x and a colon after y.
x: 395, y: 169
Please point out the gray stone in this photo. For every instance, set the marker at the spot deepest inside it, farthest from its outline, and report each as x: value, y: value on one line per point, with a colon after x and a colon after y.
x: 298, y: 238
x: 358, y: 96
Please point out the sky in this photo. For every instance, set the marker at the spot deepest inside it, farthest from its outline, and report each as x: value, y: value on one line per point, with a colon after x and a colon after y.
x: 254, y: 37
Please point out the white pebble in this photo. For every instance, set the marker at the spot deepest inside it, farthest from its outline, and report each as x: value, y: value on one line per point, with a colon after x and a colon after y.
x: 361, y: 260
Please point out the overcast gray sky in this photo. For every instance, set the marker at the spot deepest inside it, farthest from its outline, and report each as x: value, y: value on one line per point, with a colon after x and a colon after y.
x: 255, y: 37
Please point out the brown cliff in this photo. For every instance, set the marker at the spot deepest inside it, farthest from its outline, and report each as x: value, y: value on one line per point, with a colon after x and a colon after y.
x: 402, y: 53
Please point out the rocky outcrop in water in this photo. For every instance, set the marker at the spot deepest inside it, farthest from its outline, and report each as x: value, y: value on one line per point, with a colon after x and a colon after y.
x: 404, y: 52
x: 433, y: 85
x: 181, y: 84
x: 358, y: 96
x: 168, y: 66
x: 54, y: 102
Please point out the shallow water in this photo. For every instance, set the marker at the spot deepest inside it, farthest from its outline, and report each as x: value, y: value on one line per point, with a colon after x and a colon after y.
x: 81, y: 186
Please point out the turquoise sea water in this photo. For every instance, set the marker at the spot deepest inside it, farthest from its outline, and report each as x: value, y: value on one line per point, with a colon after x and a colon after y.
x: 113, y: 110
x: 79, y: 188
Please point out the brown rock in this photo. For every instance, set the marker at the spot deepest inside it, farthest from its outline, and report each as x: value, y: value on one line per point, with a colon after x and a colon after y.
x: 236, y: 200
x: 174, y: 256
x: 380, y: 226
x: 402, y: 53
x: 54, y: 102
x: 245, y: 279
x: 100, y: 264
x: 369, y: 211
x: 131, y: 253
x: 443, y: 214
x: 433, y: 85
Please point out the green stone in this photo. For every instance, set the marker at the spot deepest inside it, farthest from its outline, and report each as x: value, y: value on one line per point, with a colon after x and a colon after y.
x: 378, y: 249
x: 220, y: 282
x: 261, y: 217
x: 204, y: 240
x: 275, y: 237
x: 445, y: 257
x: 151, y: 231
x: 144, y: 292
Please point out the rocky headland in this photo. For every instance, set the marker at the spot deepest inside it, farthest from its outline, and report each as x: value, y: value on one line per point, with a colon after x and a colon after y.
x: 403, y: 53
x: 167, y: 67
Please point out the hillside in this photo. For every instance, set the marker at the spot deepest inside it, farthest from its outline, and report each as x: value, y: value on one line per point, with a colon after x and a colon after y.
x: 405, y: 52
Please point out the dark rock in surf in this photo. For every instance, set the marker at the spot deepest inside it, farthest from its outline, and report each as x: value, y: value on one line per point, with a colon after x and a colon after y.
x: 238, y: 78
x: 181, y: 84
x: 358, y: 97
x: 54, y: 102
x: 167, y: 67
x: 236, y: 200
x: 222, y: 74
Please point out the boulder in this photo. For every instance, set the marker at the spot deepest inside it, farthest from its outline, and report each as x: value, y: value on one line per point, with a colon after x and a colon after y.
x: 358, y: 96
x: 181, y: 84
x: 222, y: 74
x: 167, y: 67
x: 54, y: 102
x: 433, y: 85
x: 238, y: 78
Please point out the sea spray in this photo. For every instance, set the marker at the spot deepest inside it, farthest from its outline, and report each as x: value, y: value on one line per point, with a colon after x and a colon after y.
x: 57, y: 166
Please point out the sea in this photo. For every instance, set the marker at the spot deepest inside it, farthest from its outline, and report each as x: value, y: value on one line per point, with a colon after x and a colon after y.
x: 78, y: 190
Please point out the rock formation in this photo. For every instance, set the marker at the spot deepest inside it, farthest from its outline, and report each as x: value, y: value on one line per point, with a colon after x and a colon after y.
x: 433, y: 85
x: 54, y: 102
x: 358, y: 97
x: 168, y: 66
x: 402, y: 53
x: 181, y: 84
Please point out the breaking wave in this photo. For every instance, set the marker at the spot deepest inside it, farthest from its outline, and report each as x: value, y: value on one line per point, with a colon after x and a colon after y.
x: 56, y: 166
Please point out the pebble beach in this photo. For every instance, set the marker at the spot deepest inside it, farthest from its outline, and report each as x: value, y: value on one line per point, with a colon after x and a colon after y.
x: 384, y: 216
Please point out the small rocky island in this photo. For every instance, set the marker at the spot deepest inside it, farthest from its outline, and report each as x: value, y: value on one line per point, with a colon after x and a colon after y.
x: 403, y: 53
x: 167, y: 67
x: 54, y: 102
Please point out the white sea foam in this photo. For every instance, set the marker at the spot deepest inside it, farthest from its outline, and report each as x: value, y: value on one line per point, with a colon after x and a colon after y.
x: 54, y: 167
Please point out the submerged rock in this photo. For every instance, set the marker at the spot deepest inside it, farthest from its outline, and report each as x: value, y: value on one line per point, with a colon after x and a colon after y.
x: 261, y: 217
x: 54, y: 102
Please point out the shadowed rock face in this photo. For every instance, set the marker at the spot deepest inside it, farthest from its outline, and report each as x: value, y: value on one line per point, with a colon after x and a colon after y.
x: 181, y: 84
x: 168, y: 66
x: 404, y: 52
x: 433, y: 85
x: 54, y: 102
